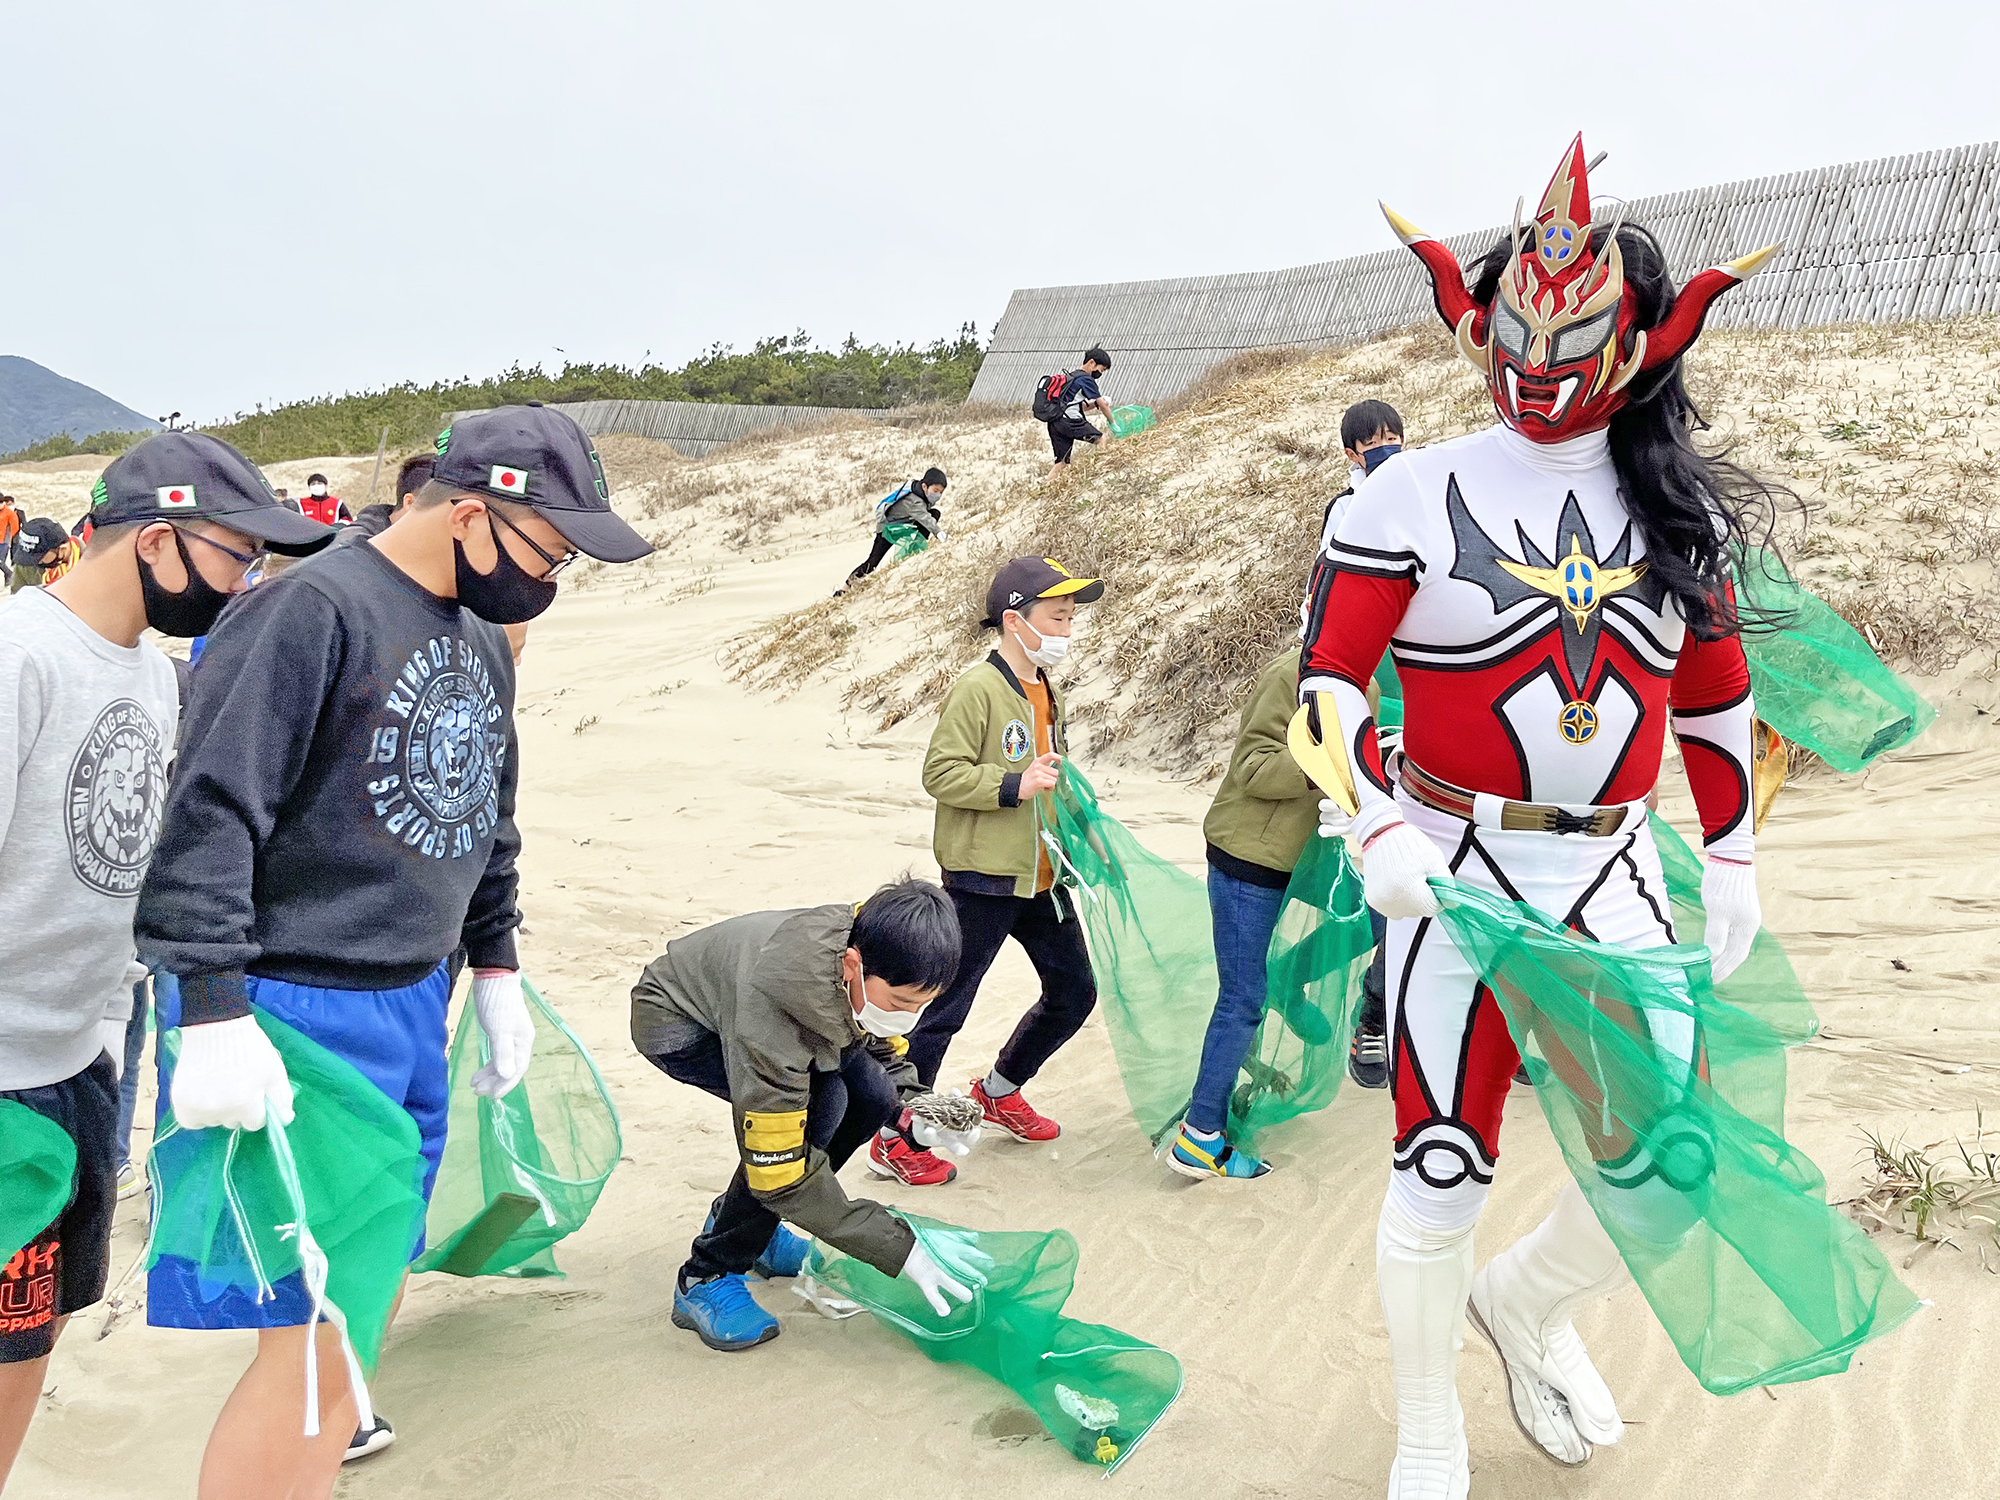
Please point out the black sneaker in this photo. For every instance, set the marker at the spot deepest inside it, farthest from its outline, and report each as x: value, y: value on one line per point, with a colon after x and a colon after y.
x: 1368, y: 1058
x: 1521, y: 1077
x: 369, y: 1440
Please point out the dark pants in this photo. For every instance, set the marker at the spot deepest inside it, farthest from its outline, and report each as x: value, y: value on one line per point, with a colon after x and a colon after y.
x: 845, y: 1109
x: 880, y: 550
x: 1054, y: 942
x: 128, y: 1080
x: 1243, y: 917
x: 1064, y: 434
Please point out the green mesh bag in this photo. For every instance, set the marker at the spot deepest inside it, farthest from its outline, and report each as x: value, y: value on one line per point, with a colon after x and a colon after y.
x: 1319, y: 953
x: 1814, y: 678
x: 1152, y: 951
x: 1669, y: 1108
x: 522, y: 1172
x: 326, y: 1209
x: 1764, y: 984
x: 908, y: 540
x: 1128, y: 421
x: 1389, y: 707
x: 1098, y: 1391
x: 37, y: 1172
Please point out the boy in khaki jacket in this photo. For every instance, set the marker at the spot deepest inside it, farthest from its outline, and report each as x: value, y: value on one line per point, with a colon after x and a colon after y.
x: 1256, y: 828
x: 994, y: 757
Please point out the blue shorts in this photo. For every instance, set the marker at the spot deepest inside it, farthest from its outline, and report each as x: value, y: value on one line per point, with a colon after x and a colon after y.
x: 393, y: 1038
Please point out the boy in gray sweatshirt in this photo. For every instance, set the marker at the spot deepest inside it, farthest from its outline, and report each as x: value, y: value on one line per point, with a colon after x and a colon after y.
x: 87, y: 719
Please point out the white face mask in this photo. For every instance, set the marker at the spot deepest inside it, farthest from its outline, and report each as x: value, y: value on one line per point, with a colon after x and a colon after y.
x: 876, y: 1021
x: 318, y: 489
x: 1052, y: 650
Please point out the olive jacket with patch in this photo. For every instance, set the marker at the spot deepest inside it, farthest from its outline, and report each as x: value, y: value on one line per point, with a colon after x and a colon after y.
x: 1266, y: 807
x: 769, y: 986
x: 986, y: 839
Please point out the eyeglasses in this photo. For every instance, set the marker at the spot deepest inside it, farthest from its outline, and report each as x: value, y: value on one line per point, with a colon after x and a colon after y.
x: 556, y: 564
x: 245, y: 560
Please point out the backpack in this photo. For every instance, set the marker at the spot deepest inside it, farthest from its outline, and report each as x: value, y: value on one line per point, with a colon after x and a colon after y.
x: 1049, y: 397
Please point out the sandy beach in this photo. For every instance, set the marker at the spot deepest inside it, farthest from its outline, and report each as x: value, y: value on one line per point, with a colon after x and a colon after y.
x: 662, y: 791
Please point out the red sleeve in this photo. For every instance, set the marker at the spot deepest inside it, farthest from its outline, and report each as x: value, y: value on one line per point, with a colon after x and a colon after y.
x: 1350, y: 622
x: 1710, y: 698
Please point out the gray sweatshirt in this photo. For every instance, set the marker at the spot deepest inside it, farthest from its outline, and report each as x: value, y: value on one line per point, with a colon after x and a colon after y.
x: 86, y: 733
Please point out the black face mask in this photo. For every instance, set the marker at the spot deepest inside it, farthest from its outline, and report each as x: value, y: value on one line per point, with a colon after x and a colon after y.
x: 509, y: 595
x: 189, y: 613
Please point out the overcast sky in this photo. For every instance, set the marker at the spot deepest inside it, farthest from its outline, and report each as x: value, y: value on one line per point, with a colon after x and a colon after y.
x: 208, y: 205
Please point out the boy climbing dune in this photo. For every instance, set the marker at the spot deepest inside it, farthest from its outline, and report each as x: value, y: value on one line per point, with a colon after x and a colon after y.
x: 915, y: 504
x: 996, y: 753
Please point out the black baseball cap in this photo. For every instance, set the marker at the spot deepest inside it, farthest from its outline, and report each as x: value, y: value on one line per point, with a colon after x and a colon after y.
x: 38, y: 537
x: 1027, y: 579
x: 539, y: 457
x: 190, y: 476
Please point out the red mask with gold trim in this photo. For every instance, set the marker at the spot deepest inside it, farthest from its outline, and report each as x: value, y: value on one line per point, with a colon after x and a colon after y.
x: 1558, y: 345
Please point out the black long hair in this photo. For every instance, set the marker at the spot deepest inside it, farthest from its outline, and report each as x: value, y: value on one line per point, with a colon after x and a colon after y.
x: 1698, y: 513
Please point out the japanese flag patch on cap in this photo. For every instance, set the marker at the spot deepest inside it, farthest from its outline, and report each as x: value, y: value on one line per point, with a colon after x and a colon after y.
x: 508, y: 481
x: 176, y: 496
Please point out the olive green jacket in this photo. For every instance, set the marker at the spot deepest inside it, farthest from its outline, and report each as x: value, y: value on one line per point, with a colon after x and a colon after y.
x: 769, y: 987
x: 1266, y: 808
x: 986, y: 839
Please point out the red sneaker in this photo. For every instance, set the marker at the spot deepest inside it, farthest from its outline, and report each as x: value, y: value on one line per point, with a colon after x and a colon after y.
x: 899, y: 1159
x: 1015, y: 1115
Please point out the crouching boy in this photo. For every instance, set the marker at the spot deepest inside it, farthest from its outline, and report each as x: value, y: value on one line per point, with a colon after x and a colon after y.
x: 797, y: 1019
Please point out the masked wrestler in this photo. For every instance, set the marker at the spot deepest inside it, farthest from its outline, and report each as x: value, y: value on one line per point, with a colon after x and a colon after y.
x: 1555, y: 591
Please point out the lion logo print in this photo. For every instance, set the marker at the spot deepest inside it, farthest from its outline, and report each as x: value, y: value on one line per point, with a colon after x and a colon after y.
x: 117, y: 799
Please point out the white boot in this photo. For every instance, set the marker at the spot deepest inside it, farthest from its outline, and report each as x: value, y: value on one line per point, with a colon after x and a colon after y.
x: 1424, y: 1275
x: 1522, y: 1303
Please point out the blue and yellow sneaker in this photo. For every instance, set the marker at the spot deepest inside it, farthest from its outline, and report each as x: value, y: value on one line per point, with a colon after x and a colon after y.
x: 1196, y: 1153
x: 722, y: 1314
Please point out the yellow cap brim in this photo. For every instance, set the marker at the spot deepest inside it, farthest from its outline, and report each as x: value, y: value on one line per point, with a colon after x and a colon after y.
x: 1086, y: 590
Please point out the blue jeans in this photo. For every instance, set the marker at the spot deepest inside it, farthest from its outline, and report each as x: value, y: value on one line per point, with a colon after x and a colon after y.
x: 1244, y: 917
x: 128, y: 1081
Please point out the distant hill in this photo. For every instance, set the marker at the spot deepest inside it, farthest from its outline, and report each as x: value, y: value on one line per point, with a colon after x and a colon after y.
x: 37, y: 403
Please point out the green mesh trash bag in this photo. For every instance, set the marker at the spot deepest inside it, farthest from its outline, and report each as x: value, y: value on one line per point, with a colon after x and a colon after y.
x: 1098, y: 1391
x: 1389, y: 687
x: 522, y: 1172
x: 37, y: 1171
x: 1319, y: 953
x: 1764, y: 985
x: 1814, y: 678
x: 320, y: 1216
x: 1668, y: 1106
x: 908, y: 540
x: 1128, y: 421
x: 1151, y: 949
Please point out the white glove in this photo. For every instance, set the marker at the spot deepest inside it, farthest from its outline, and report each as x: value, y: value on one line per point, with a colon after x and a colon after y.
x: 930, y: 1279
x: 1333, y: 819
x: 937, y: 1138
x: 510, y: 1031
x: 1396, y: 870
x: 227, y: 1072
x: 1729, y: 892
x: 111, y: 1037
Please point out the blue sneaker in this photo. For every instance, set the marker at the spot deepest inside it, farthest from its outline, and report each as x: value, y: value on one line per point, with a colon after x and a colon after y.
x: 785, y: 1255
x: 1198, y: 1154
x: 723, y: 1315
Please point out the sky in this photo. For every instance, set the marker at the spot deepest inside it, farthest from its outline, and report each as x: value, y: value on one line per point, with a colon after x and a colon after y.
x: 205, y: 206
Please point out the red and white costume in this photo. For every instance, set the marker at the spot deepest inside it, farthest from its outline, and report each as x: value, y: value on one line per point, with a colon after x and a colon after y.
x: 1541, y: 662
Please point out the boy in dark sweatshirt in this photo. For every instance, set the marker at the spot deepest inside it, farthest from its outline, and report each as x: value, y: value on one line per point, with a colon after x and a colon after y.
x: 341, y: 821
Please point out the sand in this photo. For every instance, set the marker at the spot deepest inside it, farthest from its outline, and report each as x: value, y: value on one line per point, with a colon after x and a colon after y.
x: 659, y: 793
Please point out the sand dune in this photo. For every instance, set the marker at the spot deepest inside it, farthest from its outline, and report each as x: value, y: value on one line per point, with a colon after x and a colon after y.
x: 659, y: 794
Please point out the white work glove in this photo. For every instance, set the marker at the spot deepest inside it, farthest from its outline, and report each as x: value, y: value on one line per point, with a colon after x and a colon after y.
x: 1396, y: 871
x: 930, y: 1279
x: 945, y: 1122
x: 1333, y: 819
x: 510, y: 1031
x: 228, y: 1071
x: 111, y: 1037
x: 1729, y: 893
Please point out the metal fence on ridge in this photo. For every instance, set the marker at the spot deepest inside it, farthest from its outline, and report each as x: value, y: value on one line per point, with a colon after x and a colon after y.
x: 1883, y: 241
